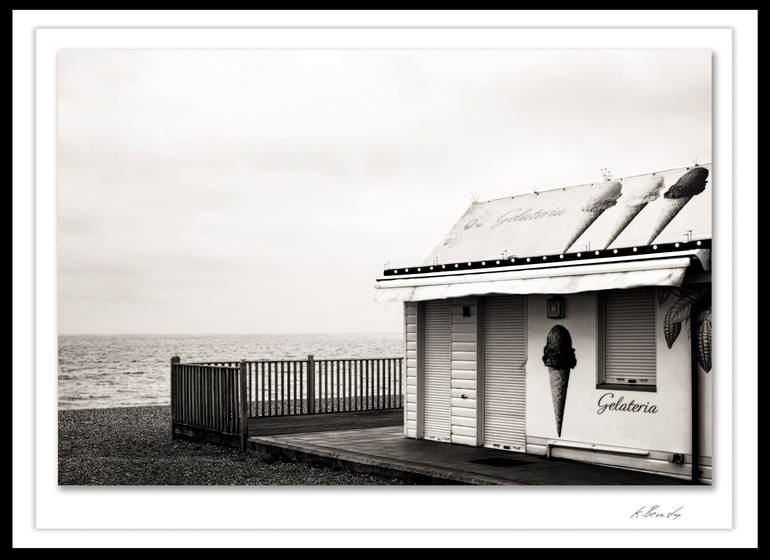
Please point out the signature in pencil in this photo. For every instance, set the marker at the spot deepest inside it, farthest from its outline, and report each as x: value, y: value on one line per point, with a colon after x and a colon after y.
x: 648, y: 512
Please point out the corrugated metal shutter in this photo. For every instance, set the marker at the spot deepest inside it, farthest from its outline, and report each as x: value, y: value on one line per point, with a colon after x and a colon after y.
x: 437, y: 371
x: 628, y: 341
x: 505, y: 355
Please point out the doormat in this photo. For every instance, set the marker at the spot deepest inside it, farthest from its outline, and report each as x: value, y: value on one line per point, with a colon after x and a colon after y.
x: 500, y: 462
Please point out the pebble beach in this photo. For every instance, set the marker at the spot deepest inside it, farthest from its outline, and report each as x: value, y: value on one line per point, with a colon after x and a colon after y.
x: 133, y: 446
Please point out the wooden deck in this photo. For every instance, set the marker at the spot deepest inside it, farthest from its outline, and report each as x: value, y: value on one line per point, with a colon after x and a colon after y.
x: 384, y: 450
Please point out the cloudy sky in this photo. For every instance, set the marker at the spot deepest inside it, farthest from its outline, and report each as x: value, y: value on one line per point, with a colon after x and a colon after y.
x: 263, y: 191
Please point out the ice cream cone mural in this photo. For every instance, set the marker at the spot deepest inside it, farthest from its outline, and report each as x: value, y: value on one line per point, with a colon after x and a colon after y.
x: 606, y: 196
x: 634, y: 203
x: 690, y: 184
x: 559, y: 357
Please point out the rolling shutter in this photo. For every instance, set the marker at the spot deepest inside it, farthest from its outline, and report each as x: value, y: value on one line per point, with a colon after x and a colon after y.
x: 628, y: 336
x: 505, y: 355
x: 437, y: 371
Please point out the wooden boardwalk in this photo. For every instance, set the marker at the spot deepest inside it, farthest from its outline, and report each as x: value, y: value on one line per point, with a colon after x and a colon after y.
x: 384, y: 450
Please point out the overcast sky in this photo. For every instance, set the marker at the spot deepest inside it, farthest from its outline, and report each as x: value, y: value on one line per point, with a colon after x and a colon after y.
x: 263, y: 191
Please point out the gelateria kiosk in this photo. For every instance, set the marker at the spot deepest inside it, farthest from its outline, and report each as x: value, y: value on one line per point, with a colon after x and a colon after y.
x: 573, y: 322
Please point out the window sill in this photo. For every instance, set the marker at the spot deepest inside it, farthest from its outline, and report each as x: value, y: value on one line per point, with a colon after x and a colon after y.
x: 627, y: 387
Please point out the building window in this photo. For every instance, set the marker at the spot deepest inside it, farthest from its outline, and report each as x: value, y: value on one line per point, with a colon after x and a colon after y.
x: 627, y: 339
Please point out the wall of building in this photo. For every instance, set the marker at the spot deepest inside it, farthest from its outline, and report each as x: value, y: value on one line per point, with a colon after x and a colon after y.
x: 410, y: 371
x: 666, y: 431
x: 706, y: 403
x: 705, y: 386
x: 705, y: 398
x: 464, y: 372
x: 658, y: 434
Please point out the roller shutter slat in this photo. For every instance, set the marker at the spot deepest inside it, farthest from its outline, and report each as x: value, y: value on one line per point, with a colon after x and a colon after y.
x: 437, y: 390
x: 629, y: 336
x: 505, y: 353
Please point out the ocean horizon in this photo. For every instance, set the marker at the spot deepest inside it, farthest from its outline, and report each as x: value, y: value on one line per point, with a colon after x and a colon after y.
x: 110, y: 370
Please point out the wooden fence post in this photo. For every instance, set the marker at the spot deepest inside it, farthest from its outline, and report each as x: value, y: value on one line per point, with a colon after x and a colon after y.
x: 244, y: 402
x: 174, y: 404
x: 310, y: 384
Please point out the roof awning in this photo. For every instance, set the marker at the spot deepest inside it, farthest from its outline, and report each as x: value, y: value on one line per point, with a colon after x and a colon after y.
x: 554, y: 280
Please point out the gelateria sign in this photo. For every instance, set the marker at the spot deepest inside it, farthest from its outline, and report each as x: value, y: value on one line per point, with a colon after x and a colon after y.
x: 608, y: 402
x: 514, y: 215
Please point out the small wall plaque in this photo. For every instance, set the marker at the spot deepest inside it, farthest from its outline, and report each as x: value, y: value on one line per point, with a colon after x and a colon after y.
x: 555, y: 307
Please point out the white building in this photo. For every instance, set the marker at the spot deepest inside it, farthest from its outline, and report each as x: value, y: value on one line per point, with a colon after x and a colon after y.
x: 613, y: 270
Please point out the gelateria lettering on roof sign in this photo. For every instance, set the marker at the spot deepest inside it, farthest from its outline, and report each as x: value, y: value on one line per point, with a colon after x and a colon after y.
x: 513, y: 215
x: 525, y: 214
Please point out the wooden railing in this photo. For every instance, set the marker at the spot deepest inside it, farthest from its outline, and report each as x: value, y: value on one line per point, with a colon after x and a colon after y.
x: 219, y: 397
x: 207, y: 399
x: 286, y: 388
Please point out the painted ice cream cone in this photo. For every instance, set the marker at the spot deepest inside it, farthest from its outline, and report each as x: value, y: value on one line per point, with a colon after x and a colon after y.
x: 586, y: 219
x: 606, y: 197
x: 690, y: 184
x: 559, y: 382
x: 559, y: 357
x: 635, y: 204
x: 671, y: 208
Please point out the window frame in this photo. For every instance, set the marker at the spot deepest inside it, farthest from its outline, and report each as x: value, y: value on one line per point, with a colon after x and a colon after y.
x: 601, y: 348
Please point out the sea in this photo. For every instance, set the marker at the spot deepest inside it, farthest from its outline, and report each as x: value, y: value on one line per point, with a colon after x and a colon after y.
x: 133, y: 370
